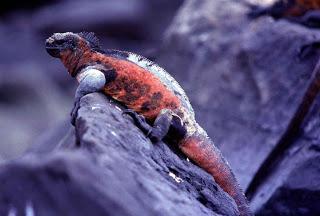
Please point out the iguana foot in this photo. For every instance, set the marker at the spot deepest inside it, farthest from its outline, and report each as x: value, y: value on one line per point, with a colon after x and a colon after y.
x: 139, y: 121
x: 161, y: 124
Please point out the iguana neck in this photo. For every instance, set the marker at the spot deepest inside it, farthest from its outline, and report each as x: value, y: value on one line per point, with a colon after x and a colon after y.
x: 74, y: 60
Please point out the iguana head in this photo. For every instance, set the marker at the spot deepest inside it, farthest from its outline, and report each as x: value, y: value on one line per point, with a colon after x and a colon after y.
x: 73, y: 49
x: 61, y: 44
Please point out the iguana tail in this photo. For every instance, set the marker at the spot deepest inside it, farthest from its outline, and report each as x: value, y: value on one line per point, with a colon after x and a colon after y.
x: 199, y: 148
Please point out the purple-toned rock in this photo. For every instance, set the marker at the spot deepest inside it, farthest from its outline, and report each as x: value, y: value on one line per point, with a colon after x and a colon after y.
x: 111, y: 169
x: 245, y: 78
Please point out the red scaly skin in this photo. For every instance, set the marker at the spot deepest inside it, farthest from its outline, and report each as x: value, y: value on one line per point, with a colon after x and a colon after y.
x: 146, y: 94
x: 136, y: 87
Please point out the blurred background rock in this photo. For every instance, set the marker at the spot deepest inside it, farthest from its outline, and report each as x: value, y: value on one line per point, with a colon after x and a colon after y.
x: 36, y: 93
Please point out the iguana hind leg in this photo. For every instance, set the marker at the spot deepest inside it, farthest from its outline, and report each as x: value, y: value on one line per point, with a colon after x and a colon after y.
x: 165, y: 120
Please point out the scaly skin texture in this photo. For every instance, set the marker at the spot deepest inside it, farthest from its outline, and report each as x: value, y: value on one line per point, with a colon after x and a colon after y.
x: 147, y: 89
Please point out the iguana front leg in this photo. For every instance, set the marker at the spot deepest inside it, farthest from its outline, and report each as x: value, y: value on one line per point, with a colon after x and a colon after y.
x: 91, y: 80
x: 165, y: 120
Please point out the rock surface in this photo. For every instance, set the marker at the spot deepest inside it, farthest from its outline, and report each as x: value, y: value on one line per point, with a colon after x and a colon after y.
x: 293, y: 188
x: 246, y: 79
x: 112, y: 169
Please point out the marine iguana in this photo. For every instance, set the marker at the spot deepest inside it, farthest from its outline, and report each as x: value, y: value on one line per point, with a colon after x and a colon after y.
x: 152, y: 95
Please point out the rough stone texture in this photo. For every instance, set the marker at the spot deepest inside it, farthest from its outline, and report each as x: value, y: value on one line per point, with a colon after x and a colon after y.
x: 245, y: 79
x: 112, y: 169
x: 293, y: 188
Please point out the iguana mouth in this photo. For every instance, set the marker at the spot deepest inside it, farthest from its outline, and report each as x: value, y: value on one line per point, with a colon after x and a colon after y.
x: 53, y: 50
